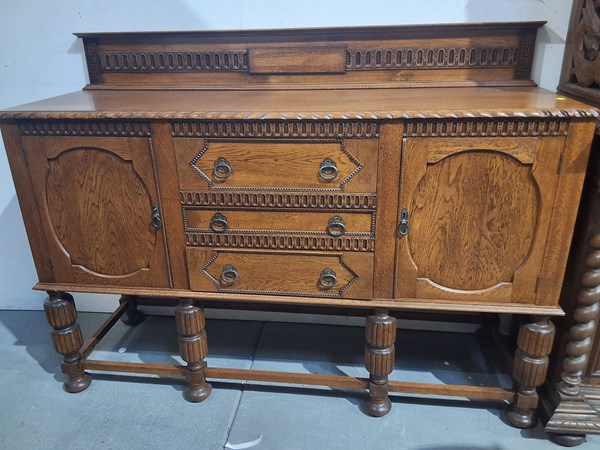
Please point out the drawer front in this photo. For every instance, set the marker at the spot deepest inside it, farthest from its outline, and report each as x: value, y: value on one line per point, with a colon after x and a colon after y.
x: 332, y: 275
x: 331, y: 223
x: 340, y: 165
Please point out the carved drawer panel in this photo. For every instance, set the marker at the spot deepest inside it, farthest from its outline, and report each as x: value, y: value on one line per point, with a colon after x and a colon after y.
x: 334, y: 275
x: 347, y: 165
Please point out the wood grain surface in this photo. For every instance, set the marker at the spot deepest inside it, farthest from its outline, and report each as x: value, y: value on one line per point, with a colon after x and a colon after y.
x: 269, y: 164
x: 269, y: 221
x: 489, y: 202
x: 291, y: 273
x: 384, y: 104
x: 96, y: 195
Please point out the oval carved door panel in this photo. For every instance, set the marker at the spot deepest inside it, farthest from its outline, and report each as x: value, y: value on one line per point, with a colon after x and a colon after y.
x: 478, y: 217
x: 98, y: 195
x: 484, y: 208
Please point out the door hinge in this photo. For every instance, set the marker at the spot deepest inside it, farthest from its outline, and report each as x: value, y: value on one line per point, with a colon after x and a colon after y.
x: 51, y: 263
x: 25, y: 156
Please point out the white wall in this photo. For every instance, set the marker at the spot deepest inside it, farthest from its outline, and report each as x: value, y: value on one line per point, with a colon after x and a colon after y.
x: 40, y: 58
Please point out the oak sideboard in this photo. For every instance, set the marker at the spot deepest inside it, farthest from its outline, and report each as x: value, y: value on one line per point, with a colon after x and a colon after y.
x: 377, y: 169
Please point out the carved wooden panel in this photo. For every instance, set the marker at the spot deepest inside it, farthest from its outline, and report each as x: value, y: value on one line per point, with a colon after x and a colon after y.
x: 97, y: 196
x: 580, y: 74
x: 509, y: 127
x: 459, y: 54
x: 270, y: 129
x: 288, y: 199
x: 281, y: 273
x: 84, y: 128
x: 279, y: 241
x: 282, y: 165
x: 478, y: 217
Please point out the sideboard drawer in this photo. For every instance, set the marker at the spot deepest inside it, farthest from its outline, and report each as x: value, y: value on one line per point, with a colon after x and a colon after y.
x: 330, y: 223
x: 348, y: 165
x: 336, y: 275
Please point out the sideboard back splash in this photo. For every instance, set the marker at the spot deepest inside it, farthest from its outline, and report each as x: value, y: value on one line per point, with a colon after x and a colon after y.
x: 441, y: 55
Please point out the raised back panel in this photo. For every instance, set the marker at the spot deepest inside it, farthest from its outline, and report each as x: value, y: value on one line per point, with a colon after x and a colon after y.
x: 434, y: 55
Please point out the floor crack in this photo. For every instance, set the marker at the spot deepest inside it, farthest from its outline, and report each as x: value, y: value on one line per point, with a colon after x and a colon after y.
x: 245, y: 382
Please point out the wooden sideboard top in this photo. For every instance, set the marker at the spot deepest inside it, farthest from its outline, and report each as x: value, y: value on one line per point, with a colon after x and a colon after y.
x: 362, y: 104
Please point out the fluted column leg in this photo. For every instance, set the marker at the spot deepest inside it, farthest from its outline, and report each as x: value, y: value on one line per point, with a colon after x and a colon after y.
x: 67, y: 339
x: 379, y: 360
x: 193, y: 348
x: 529, y: 371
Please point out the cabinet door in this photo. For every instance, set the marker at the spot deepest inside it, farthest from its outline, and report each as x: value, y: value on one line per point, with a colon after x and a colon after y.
x: 478, y: 213
x: 97, y: 197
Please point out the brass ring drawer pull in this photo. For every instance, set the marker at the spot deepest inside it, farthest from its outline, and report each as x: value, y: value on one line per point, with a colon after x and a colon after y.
x: 327, y: 279
x: 229, y: 275
x: 328, y: 170
x: 336, y: 227
x: 218, y: 223
x: 222, y: 168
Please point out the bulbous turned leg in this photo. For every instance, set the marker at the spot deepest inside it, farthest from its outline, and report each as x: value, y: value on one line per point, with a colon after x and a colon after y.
x: 67, y: 339
x: 193, y: 348
x: 529, y: 371
x: 132, y: 316
x: 380, y: 334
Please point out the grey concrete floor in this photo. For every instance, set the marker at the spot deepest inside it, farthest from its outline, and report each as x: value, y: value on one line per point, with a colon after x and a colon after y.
x: 145, y: 412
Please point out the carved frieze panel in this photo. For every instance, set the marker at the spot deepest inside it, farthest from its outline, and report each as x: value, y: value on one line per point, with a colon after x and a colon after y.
x: 276, y: 129
x: 83, y: 128
x: 486, y: 128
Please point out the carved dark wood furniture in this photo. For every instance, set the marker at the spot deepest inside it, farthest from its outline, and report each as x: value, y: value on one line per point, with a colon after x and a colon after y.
x: 377, y: 169
x: 572, y: 401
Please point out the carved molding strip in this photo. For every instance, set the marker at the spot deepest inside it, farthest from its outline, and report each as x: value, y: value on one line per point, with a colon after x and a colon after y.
x: 280, y: 242
x: 525, y: 58
x: 272, y: 129
x: 291, y: 200
x: 93, y: 61
x: 355, y: 59
x: 430, y: 58
x: 483, y: 128
x: 578, y: 415
x: 84, y: 128
x: 174, y: 61
x: 358, y: 115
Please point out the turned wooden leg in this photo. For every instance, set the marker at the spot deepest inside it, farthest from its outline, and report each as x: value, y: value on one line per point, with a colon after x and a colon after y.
x: 193, y: 349
x: 67, y: 339
x: 379, y: 360
x: 529, y: 371
x: 132, y: 316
